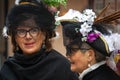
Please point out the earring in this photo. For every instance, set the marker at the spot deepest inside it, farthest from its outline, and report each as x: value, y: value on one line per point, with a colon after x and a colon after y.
x: 43, y: 45
x: 17, y: 48
x: 89, y: 65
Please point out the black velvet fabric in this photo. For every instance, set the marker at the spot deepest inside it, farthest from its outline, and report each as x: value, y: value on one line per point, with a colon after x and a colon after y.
x: 102, y: 73
x: 40, y: 66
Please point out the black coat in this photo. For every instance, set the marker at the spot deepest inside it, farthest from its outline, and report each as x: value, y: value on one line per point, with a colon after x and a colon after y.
x: 40, y: 66
x: 102, y: 73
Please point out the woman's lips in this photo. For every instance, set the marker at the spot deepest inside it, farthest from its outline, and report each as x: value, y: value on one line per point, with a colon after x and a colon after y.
x: 29, y: 44
x: 71, y: 62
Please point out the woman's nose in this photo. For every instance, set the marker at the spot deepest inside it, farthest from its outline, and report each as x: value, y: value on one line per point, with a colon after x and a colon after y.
x: 28, y: 35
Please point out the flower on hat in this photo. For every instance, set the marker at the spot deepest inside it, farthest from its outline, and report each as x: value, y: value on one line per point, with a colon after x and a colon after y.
x: 85, y: 29
x: 89, y: 16
x: 91, y: 37
x: 87, y: 19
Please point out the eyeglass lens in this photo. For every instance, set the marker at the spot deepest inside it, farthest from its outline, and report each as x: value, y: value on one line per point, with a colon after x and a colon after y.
x: 71, y: 50
x: 33, y: 32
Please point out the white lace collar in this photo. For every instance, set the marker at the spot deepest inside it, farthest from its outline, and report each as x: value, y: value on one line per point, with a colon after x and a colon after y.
x: 91, y: 68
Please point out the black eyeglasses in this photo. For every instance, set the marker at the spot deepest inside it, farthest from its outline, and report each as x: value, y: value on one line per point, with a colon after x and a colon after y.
x: 33, y: 32
x: 71, y: 50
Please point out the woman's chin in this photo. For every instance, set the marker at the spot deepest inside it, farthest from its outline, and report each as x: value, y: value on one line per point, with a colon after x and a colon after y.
x: 29, y: 51
x: 73, y: 68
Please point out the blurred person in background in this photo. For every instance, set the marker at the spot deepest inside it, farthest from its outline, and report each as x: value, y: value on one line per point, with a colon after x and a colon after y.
x: 88, y: 45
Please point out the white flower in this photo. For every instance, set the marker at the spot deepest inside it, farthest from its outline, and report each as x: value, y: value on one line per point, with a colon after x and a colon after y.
x: 87, y: 18
x: 84, y: 39
x: 88, y: 15
x: 89, y: 12
x: 85, y: 29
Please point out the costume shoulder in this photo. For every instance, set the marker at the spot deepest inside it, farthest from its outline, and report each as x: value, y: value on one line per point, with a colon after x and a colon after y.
x: 102, y: 73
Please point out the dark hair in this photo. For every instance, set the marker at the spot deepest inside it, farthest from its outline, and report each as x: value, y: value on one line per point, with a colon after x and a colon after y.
x: 36, y: 11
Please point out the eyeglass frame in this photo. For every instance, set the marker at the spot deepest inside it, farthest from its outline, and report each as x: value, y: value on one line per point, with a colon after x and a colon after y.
x: 27, y: 31
x: 71, y: 49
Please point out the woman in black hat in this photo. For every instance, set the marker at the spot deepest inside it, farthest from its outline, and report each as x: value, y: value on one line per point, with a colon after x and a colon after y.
x: 87, y: 45
x: 31, y: 26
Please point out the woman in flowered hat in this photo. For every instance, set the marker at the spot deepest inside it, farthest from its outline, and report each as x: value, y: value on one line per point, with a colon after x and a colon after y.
x: 88, y: 45
x: 31, y: 26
